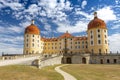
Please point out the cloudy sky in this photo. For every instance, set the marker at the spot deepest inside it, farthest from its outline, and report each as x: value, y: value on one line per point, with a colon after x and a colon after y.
x: 55, y: 17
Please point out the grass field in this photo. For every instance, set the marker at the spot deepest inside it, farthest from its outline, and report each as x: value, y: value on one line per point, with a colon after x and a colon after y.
x: 19, y: 72
x: 94, y: 72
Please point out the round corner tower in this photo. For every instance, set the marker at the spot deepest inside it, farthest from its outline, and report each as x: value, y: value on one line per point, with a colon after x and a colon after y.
x: 97, y: 36
x: 31, y: 39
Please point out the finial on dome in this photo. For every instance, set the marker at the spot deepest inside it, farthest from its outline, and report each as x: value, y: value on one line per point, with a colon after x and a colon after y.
x: 32, y: 22
x: 95, y: 14
x: 67, y: 31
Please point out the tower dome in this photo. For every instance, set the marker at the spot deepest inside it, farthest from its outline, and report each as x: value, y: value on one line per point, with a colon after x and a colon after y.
x: 96, y: 23
x: 32, y: 29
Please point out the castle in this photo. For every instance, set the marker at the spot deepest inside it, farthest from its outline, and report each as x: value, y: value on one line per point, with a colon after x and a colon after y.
x: 92, y: 48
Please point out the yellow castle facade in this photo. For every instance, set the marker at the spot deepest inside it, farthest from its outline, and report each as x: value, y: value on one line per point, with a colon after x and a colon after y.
x: 96, y: 41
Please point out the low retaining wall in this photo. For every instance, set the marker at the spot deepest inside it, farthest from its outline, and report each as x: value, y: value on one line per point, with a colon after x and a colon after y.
x: 47, y: 61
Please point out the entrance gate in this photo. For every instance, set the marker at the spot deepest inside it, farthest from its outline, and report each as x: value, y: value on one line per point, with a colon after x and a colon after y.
x: 69, y: 60
x: 84, y: 60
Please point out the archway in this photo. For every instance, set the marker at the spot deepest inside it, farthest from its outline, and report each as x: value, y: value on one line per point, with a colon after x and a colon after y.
x: 108, y: 61
x: 69, y: 60
x: 84, y: 60
x: 101, y: 61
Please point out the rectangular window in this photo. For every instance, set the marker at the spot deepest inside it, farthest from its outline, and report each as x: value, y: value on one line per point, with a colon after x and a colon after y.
x: 33, y: 45
x: 91, y: 32
x: 99, y: 41
x: 98, y: 30
x: 32, y: 52
x: 98, y: 35
x: 86, y: 46
x: 100, y: 51
x: 82, y: 46
x: 82, y: 42
x: 27, y: 40
x: 105, y: 31
x: 91, y: 42
x: 92, y: 51
x: 106, y: 50
x: 33, y: 40
x: 27, y: 45
x: 55, y: 47
x: 27, y: 35
x: 76, y: 47
x: 105, y: 41
x: 105, y: 36
x: 91, y: 37
x: 75, y: 42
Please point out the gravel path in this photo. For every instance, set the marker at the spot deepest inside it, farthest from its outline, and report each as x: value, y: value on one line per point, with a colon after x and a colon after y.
x: 66, y: 75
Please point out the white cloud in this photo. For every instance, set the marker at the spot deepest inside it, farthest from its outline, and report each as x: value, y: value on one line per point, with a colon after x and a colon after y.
x: 117, y: 26
x: 114, y: 41
x: 47, y: 27
x: 14, y: 5
x: 25, y: 24
x: 33, y: 9
x: 86, y: 15
x: 79, y: 27
x: 15, y: 29
x: 117, y: 1
x: 106, y: 14
x: 11, y: 29
x: 11, y: 44
x: 84, y: 3
x: 53, y: 9
x: 10, y: 49
x: 11, y: 39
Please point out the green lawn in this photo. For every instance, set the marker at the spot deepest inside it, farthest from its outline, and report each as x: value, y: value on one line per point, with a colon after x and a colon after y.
x: 94, y: 72
x: 20, y: 72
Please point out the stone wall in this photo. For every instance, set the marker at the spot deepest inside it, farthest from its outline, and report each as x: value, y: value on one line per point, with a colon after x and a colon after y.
x: 105, y: 59
x: 47, y: 61
x: 12, y: 57
x: 92, y: 59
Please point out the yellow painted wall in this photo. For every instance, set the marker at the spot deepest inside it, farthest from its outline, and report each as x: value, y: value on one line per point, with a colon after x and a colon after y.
x: 35, y: 45
x: 95, y: 39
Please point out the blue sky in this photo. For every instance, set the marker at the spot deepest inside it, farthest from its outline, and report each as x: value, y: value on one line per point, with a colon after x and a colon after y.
x: 55, y: 17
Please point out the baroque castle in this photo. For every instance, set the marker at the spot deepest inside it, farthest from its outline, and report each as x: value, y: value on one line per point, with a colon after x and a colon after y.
x: 92, y: 48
